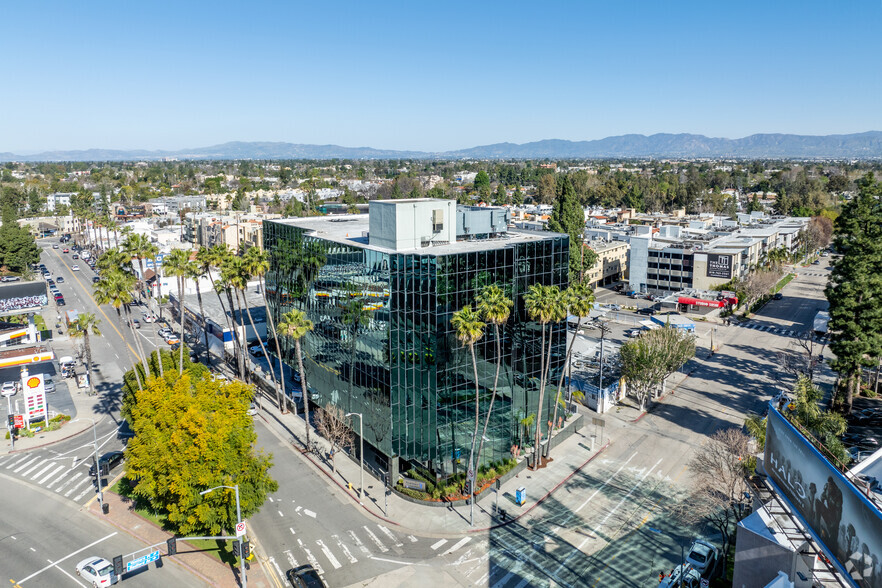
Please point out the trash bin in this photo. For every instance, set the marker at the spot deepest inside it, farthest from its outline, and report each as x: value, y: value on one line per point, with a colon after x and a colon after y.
x: 521, y: 496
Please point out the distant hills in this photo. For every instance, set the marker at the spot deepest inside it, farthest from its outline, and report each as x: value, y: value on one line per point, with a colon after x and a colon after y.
x: 663, y: 145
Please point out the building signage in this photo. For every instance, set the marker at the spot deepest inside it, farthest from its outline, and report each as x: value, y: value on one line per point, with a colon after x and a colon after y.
x: 34, y: 397
x: 700, y: 302
x: 18, y: 421
x: 836, y: 512
x: 719, y: 266
x: 414, y: 485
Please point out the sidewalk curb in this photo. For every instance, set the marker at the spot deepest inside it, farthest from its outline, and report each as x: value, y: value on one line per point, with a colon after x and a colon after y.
x: 47, y: 444
x: 547, y: 494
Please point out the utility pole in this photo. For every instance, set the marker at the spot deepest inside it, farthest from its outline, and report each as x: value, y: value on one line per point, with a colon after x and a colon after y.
x: 360, y: 451
x: 238, y: 521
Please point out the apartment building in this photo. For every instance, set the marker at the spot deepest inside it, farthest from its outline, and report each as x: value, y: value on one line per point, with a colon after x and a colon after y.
x: 612, y: 262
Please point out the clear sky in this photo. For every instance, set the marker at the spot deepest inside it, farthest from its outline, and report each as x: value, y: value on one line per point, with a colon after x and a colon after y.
x: 431, y: 75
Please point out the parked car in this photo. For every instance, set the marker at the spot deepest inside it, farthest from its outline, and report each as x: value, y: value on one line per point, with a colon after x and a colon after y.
x: 868, y: 442
x: 50, y: 281
x: 10, y: 279
x: 252, y: 410
x: 172, y: 339
x: 702, y: 556
x: 647, y: 311
x: 615, y: 307
x: 95, y: 279
x: 777, y: 296
x: 9, y: 389
x: 690, y: 578
x: 305, y: 576
x: 48, y: 385
x: 60, y: 302
x: 633, y: 333
x: 111, y: 458
x: 97, y: 571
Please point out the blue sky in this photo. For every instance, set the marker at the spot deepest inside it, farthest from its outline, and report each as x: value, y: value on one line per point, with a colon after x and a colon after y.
x: 431, y: 75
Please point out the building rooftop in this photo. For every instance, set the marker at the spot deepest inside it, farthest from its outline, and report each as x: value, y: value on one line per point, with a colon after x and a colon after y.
x: 352, y: 230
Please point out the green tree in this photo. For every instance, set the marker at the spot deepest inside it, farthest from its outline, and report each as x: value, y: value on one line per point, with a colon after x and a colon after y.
x: 295, y: 326
x: 546, y: 306
x: 495, y: 308
x: 568, y: 217
x: 18, y: 249
x: 652, y: 357
x: 482, y: 181
x: 85, y: 325
x: 115, y: 288
x: 855, y: 288
x: 192, y: 435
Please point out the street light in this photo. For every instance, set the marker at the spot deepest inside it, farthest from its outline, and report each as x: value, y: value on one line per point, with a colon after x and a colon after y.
x: 238, y: 520
x: 682, y: 555
x: 97, y: 465
x: 360, y: 450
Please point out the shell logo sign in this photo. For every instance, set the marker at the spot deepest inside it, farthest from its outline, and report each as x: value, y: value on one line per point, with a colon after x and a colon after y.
x: 34, y: 382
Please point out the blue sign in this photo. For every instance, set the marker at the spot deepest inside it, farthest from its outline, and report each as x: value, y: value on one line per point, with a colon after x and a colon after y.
x: 142, y: 561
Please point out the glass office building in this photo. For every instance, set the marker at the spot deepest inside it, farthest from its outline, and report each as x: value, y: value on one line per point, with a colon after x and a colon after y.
x: 382, y: 343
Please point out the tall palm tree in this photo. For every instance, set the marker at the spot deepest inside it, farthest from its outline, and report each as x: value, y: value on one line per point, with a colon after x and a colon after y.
x: 197, y: 271
x: 543, y: 306
x: 219, y: 256
x: 139, y: 247
x: 177, y: 264
x: 495, y: 307
x: 85, y: 324
x: 256, y: 263
x: 115, y: 288
x: 469, y: 330
x: 231, y: 281
x: 240, y: 282
x: 579, y: 300
x: 295, y: 325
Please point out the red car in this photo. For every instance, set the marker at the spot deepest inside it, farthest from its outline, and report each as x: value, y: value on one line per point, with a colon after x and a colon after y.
x: 65, y: 250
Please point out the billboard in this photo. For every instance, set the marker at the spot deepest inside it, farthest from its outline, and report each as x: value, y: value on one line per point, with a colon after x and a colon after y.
x: 836, y: 513
x: 719, y: 266
x: 34, y: 397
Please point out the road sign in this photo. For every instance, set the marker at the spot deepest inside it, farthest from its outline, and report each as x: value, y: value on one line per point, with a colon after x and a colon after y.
x: 240, y: 529
x: 142, y: 561
x: 471, y: 474
x: 19, y: 421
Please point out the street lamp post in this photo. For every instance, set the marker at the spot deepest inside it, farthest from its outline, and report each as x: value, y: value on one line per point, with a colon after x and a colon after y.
x: 238, y: 520
x: 360, y: 451
x: 97, y: 465
x: 682, y: 555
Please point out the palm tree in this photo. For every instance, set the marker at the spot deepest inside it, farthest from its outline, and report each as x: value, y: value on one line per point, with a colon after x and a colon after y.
x: 177, y: 264
x: 295, y: 325
x: 579, y: 300
x: 197, y: 271
x: 257, y: 264
x: 469, y: 330
x: 219, y: 256
x: 231, y: 282
x: 495, y: 307
x: 139, y: 247
x: 115, y: 288
x: 86, y: 323
x: 240, y: 282
x: 544, y: 306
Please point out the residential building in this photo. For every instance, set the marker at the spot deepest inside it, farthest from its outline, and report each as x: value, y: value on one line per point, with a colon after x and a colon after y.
x: 58, y: 198
x: 612, y: 262
x: 410, y: 264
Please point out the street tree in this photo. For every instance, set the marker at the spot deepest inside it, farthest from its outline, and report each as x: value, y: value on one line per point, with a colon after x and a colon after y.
x: 757, y: 284
x: 495, y: 308
x: 295, y: 326
x: 648, y: 361
x: 256, y: 264
x: 720, y: 496
x: 332, y: 424
x: 802, y: 356
x: 469, y: 330
x: 189, y: 436
x: 177, y: 264
x: 86, y: 325
x: 818, y: 232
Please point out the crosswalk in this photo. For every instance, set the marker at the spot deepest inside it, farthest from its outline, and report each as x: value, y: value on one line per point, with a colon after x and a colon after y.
x: 66, y: 477
x: 781, y: 331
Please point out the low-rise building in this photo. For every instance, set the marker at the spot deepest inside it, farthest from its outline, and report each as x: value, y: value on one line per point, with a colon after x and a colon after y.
x: 612, y: 262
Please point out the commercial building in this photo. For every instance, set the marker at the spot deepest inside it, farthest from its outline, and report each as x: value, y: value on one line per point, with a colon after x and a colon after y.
x: 612, y: 262
x: 404, y: 269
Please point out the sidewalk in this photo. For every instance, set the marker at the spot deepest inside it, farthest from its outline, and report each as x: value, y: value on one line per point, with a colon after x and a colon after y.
x: 442, y: 519
x: 202, y: 565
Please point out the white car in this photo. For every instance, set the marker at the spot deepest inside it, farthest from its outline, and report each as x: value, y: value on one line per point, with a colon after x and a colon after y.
x: 8, y: 389
x: 702, y: 556
x: 98, y: 571
x: 75, y: 267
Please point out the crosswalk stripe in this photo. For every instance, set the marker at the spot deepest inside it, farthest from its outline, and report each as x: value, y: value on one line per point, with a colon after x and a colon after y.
x: 58, y: 478
x: 14, y: 462
x: 48, y: 467
x: 503, y: 580
x: 24, y: 465
x: 66, y: 484
x: 32, y: 468
x: 457, y: 545
x: 358, y: 543
x: 390, y: 535
x: 291, y: 559
x: 82, y: 494
x: 52, y: 473
x: 435, y: 546
x: 344, y: 549
x: 412, y: 538
x: 75, y: 486
x: 328, y: 554
x: 376, y: 541
x: 312, y: 560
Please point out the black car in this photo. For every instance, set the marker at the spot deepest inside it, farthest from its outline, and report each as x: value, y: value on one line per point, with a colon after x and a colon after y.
x: 50, y: 281
x: 647, y: 311
x: 111, y: 458
x: 305, y: 577
x: 59, y: 302
x: 95, y: 279
x: 777, y: 296
x: 60, y: 279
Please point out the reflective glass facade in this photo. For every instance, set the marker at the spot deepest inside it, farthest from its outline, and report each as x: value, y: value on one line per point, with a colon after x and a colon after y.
x: 401, y: 365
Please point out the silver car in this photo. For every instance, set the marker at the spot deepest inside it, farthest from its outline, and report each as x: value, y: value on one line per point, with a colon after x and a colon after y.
x: 48, y: 385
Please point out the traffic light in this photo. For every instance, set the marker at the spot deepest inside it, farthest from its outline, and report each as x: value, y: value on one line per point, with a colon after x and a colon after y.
x: 236, y: 548
x: 105, y: 469
x: 246, y: 549
x: 172, y: 546
x: 117, y: 565
x: 468, y: 486
x: 11, y: 421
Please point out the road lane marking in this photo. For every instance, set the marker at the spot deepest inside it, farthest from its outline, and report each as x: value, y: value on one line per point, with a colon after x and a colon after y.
x: 25, y: 464
x: 66, y: 573
x: 280, y: 514
x: 390, y: 535
x: 376, y: 541
x: 278, y: 569
x: 401, y: 563
x: 438, y: 544
x: 68, y: 556
x: 52, y: 474
x: 291, y: 559
x: 328, y: 554
x: 66, y: 484
x: 15, y: 462
x: 312, y: 560
x: 358, y: 543
x: 457, y: 545
x: 308, y: 513
x: 344, y: 549
x: 412, y: 538
x: 32, y: 468
x: 48, y: 467
x: 292, y: 530
x: 75, y: 486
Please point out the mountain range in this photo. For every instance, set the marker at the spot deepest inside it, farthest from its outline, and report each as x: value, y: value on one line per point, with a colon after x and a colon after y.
x: 866, y: 145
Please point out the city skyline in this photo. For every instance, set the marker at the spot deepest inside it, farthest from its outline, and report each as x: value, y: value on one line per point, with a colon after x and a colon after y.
x: 432, y: 78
